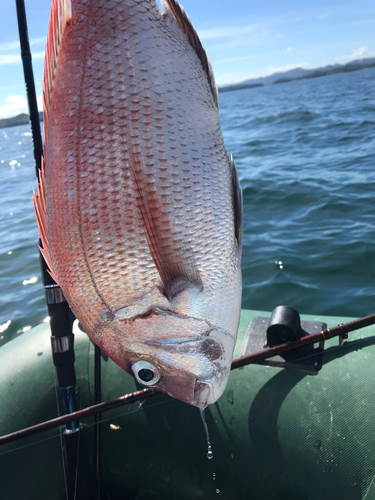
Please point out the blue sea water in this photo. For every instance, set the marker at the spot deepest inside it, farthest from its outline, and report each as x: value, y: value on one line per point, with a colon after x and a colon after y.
x: 305, y: 152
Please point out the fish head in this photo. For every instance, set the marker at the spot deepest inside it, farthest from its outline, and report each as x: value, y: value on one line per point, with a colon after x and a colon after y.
x: 182, y: 356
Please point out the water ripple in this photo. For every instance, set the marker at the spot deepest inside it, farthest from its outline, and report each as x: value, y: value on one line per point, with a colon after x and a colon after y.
x: 305, y: 152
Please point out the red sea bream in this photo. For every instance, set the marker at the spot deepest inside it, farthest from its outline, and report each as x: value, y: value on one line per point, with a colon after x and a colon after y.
x: 139, y: 206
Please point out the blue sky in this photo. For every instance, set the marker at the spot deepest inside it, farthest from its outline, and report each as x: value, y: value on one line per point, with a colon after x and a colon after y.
x: 244, y: 38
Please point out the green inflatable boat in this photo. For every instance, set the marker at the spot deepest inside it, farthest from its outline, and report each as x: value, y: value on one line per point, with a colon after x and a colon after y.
x: 298, y: 432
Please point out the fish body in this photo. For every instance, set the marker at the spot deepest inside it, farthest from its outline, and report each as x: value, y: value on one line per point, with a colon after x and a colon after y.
x: 139, y: 206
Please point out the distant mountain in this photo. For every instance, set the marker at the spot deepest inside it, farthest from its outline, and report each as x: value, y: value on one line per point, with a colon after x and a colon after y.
x: 21, y: 119
x: 268, y: 80
x: 300, y: 74
x: 333, y: 70
x: 264, y: 80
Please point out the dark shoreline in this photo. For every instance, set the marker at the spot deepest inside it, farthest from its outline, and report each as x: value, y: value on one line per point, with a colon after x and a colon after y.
x: 21, y: 119
x: 321, y: 72
x: 314, y: 73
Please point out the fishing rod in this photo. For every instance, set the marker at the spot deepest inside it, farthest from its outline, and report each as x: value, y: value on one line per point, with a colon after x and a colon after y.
x: 61, y: 318
x: 58, y: 309
x: 30, y: 84
x: 341, y: 331
x: 86, y: 412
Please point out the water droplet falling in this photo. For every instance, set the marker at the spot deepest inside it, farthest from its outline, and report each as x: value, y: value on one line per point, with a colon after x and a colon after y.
x: 141, y: 403
x: 209, y: 447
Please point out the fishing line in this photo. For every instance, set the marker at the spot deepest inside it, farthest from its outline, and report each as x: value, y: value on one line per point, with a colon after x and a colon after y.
x: 130, y: 412
x: 61, y: 436
x: 76, y: 474
x: 30, y: 444
x: 84, y: 426
x: 88, y: 370
x: 257, y: 372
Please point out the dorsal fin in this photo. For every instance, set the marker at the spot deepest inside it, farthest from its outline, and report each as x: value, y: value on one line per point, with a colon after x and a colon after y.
x: 175, y: 9
x: 60, y: 15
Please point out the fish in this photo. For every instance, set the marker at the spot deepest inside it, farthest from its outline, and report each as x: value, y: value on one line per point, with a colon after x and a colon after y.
x: 138, y: 203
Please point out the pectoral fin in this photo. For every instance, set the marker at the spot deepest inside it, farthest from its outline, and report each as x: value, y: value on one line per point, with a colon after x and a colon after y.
x: 171, y: 252
x: 237, y: 203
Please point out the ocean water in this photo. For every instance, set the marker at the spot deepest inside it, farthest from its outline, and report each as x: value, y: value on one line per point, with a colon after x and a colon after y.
x: 305, y: 152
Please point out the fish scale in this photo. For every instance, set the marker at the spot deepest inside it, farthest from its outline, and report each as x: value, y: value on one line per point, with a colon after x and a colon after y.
x: 143, y: 202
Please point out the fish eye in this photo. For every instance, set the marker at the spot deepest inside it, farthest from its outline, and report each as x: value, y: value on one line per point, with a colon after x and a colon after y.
x: 146, y: 373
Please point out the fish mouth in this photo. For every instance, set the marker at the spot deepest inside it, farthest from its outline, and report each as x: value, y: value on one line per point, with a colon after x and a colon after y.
x: 209, y: 388
x: 204, y: 394
x: 212, y: 354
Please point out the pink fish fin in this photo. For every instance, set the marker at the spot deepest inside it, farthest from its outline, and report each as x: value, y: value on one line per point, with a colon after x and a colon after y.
x: 39, y: 202
x: 174, y: 9
x: 60, y: 15
x: 171, y: 251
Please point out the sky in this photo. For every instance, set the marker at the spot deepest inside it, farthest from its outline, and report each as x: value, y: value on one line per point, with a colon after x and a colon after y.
x: 244, y: 38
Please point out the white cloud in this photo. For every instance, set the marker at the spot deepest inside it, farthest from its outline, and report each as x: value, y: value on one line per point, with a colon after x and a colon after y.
x: 16, y: 58
x: 227, y: 32
x: 360, y: 53
x: 38, y: 55
x: 16, y: 44
x: 281, y: 69
x: 289, y: 49
x: 236, y: 36
x: 39, y: 101
x: 228, y: 78
x: 10, y: 51
x: 38, y: 41
x: 10, y: 45
x: 17, y: 104
x: 10, y: 59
